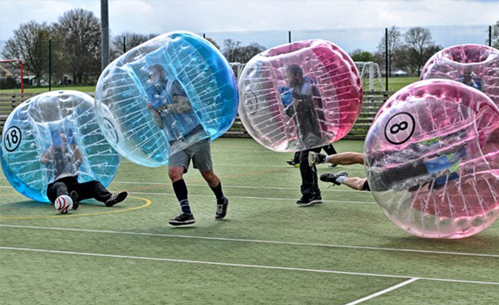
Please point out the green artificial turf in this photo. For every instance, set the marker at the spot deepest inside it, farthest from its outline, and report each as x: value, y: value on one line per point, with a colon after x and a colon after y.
x: 266, y: 251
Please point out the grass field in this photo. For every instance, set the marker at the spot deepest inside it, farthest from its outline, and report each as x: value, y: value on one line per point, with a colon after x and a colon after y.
x: 394, y: 84
x: 266, y: 251
x: 46, y: 89
x: 397, y: 83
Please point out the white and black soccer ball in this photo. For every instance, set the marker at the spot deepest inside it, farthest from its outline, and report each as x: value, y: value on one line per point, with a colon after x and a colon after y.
x: 63, y: 204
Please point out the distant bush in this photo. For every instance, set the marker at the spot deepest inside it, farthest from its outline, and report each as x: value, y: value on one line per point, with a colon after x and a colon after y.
x: 8, y: 83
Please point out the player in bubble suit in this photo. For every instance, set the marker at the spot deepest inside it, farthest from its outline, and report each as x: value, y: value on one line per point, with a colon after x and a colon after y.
x: 63, y: 160
x: 168, y: 99
x: 469, y: 78
x: 434, y: 171
x: 306, y: 118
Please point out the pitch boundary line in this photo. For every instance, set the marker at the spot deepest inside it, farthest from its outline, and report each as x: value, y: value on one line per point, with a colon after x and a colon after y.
x: 243, y: 197
x: 239, y: 186
x: 249, y: 197
x: 243, y: 265
x: 372, y: 296
x: 255, y: 241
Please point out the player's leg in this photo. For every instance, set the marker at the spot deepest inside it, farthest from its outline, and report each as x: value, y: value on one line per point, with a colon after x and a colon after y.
x: 63, y: 187
x: 339, y: 178
x: 94, y: 189
x: 295, y: 161
x: 201, y: 159
x: 330, y: 150
x: 309, y: 187
x: 346, y: 158
x: 178, y: 165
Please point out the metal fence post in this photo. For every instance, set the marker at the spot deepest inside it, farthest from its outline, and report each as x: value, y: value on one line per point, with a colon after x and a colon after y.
x: 50, y: 64
x: 104, y: 12
x: 289, y: 36
x: 490, y: 35
x: 386, y: 58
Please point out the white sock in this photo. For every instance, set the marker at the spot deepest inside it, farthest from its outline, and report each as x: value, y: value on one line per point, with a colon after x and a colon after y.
x: 340, y: 179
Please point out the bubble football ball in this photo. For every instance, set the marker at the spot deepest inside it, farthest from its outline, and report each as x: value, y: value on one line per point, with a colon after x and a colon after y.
x: 431, y: 158
x: 165, y: 95
x: 63, y: 204
x: 474, y: 65
x: 300, y: 95
x: 52, y: 135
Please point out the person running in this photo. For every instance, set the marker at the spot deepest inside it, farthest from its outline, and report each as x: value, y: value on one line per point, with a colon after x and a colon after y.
x: 188, y: 140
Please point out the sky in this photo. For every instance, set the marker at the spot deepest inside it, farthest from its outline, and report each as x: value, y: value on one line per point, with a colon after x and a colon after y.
x: 211, y: 16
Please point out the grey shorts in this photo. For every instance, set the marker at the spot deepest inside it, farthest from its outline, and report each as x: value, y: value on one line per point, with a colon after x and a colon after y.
x: 200, y: 153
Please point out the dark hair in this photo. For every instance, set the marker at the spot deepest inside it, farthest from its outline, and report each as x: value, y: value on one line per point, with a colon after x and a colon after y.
x: 295, y: 70
x: 156, y: 68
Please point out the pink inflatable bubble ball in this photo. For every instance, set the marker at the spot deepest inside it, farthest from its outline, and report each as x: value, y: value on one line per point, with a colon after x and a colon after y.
x: 299, y: 96
x: 432, y: 161
x: 474, y: 65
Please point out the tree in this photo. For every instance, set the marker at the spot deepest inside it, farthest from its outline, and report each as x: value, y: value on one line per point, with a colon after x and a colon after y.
x: 127, y: 41
x: 235, y: 53
x: 213, y: 42
x: 418, y: 41
x: 495, y: 35
x: 359, y: 55
x: 394, y: 43
x: 81, y: 34
x: 30, y: 43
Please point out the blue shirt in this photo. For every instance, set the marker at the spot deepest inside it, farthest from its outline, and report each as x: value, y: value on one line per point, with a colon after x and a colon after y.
x: 178, y: 125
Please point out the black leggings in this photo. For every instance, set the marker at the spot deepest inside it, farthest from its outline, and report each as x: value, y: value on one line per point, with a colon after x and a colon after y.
x: 91, y: 189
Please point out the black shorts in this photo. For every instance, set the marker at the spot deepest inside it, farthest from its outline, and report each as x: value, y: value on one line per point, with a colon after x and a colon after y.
x: 366, y: 187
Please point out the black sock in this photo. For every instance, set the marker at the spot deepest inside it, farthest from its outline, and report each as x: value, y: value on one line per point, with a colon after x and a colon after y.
x: 218, y: 191
x: 181, y: 192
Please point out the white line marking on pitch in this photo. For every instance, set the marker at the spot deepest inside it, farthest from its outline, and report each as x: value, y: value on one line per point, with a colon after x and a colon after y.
x: 254, y: 241
x: 243, y: 265
x: 249, y: 197
x: 372, y: 296
x: 167, y: 184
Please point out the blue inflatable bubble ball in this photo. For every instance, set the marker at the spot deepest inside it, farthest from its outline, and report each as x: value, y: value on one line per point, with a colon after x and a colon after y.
x: 51, y: 136
x: 164, y: 95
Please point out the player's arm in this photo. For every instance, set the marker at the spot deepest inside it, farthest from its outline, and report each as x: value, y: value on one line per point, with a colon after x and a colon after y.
x: 181, y: 104
x: 77, y: 157
x: 46, y: 157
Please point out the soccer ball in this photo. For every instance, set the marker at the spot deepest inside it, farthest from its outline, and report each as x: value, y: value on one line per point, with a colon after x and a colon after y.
x: 63, y: 204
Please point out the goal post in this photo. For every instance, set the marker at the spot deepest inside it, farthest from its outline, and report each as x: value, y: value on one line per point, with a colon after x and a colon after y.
x: 370, y: 76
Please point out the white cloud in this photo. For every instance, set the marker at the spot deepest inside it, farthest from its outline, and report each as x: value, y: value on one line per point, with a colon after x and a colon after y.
x: 154, y: 16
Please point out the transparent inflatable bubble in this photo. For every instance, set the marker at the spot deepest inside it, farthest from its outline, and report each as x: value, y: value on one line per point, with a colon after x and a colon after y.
x: 473, y: 65
x: 300, y: 95
x: 53, y: 135
x: 165, y: 95
x: 431, y: 158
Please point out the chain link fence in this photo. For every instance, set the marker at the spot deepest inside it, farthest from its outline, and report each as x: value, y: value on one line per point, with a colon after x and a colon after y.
x: 70, y: 66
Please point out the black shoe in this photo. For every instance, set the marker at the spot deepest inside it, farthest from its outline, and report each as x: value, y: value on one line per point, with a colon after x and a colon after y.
x: 333, y: 165
x: 293, y: 163
x: 74, y: 197
x: 315, y: 158
x: 182, y: 219
x: 116, y: 198
x: 222, y: 205
x: 308, y: 200
x: 330, y: 177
